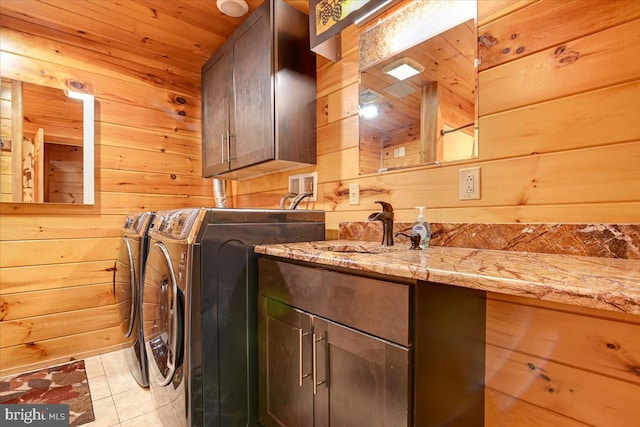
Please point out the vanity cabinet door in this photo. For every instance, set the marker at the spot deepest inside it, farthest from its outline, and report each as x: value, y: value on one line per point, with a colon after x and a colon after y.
x: 360, y: 380
x: 284, y: 346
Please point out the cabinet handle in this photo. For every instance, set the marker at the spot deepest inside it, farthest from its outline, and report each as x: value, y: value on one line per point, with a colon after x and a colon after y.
x: 302, y: 374
x: 229, y: 136
x: 315, y: 364
x: 222, y: 141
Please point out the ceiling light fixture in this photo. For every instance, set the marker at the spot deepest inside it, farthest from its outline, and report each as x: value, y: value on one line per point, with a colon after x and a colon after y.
x: 233, y: 8
x: 364, y: 17
x: 399, y: 90
x: 403, y: 68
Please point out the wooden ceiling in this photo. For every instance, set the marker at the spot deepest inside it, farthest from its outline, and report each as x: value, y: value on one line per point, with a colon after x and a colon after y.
x: 166, y: 39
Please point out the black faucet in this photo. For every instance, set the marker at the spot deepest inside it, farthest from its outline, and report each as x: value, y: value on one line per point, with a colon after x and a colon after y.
x: 386, y: 216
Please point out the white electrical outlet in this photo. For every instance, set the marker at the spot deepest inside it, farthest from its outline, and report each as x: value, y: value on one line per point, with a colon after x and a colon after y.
x: 470, y: 184
x: 354, y: 194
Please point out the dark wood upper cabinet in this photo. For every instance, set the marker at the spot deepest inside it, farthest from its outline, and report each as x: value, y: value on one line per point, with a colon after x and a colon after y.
x: 258, y: 97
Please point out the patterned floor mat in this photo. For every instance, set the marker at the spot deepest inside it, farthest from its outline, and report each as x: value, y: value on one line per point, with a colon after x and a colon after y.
x: 66, y: 384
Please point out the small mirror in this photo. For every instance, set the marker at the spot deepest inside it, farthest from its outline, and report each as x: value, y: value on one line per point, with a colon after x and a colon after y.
x: 418, y: 87
x: 47, y: 153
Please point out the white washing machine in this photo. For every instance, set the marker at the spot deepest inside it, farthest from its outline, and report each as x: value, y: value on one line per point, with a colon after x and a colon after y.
x: 200, y: 309
x: 128, y: 278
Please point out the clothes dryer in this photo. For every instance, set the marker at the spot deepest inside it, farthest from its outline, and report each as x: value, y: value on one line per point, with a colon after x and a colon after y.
x: 128, y: 278
x: 200, y: 309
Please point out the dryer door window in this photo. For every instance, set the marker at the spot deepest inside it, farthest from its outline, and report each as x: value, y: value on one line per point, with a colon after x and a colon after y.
x: 124, y: 286
x: 162, y: 315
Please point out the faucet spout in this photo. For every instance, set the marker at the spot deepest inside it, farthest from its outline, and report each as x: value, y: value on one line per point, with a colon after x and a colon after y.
x: 386, y: 217
x: 296, y: 201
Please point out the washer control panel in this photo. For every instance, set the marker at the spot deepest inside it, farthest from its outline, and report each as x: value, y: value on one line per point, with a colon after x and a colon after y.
x: 176, y: 224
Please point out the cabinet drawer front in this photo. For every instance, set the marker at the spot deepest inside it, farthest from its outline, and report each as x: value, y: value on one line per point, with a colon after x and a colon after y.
x: 378, y: 307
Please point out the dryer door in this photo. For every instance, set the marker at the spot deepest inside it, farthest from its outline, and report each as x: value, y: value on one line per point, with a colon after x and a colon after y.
x: 124, y: 286
x: 162, y: 316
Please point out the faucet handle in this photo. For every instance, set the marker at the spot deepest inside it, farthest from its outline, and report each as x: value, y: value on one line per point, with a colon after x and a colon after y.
x: 386, y: 207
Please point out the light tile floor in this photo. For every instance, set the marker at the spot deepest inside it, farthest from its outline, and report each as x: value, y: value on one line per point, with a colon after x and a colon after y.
x: 117, y: 398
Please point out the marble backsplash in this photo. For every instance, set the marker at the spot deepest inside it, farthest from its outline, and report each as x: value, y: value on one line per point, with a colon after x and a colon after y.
x: 598, y: 240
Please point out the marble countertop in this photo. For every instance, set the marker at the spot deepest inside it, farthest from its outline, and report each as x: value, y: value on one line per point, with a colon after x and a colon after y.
x: 603, y: 283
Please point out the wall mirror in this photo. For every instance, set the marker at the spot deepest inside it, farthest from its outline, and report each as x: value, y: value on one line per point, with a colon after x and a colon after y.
x: 47, y: 153
x: 418, y: 86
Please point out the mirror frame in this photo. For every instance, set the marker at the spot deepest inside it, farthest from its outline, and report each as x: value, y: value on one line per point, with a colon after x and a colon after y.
x: 88, y: 147
x: 405, y: 28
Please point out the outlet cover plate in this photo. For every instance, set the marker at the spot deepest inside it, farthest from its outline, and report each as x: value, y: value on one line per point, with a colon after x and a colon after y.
x: 470, y: 183
x: 303, y: 183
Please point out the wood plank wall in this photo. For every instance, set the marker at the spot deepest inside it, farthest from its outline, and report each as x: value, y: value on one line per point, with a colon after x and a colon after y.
x: 56, y: 297
x: 559, y: 142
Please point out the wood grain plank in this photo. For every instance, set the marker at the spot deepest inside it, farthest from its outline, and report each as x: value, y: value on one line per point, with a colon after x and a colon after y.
x: 338, y: 136
x: 146, y: 118
x: 41, y: 227
x: 502, y: 410
x: 73, y: 50
x: 47, y: 277
x: 567, y: 308
x: 338, y: 75
x: 577, y: 66
x: 58, y: 251
x: 109, y: 203
x: 91, y: 29
x: 490, y: 10
x: 154, y: 25
x: 606, y: 175
x: 133, y: 159
x: 38, y: 303
x: 153, y: 183
x: 189, y: 12
x: 59, y: 348
x: 607, y: 347
x: 545, y: 24
x: 155, y: 99
x: 589, y: 119
x: 585, y: 396
x: 39, y: 328
x: 343, y: 103
x: 167, y: 141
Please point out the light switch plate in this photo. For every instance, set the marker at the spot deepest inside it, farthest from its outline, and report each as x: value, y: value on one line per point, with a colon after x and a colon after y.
x: 354, y: 194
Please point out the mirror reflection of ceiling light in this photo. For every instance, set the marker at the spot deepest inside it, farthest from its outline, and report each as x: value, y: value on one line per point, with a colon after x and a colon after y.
x: 369, y: 95
x: 403, y: 68
x: 399, y: 90
x: 233, y: 8
x: 369, y: 111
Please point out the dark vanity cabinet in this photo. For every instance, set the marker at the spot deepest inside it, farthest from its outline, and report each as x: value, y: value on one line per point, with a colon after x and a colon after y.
x: 326, y: 350
x: 258, y: 96
x: 340, y: 349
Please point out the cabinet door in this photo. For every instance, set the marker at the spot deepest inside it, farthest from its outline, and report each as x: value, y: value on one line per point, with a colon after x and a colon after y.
x: 284, y: 346
x: 252, y: 119
x: 215, y: 114
x: 360, y: 380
